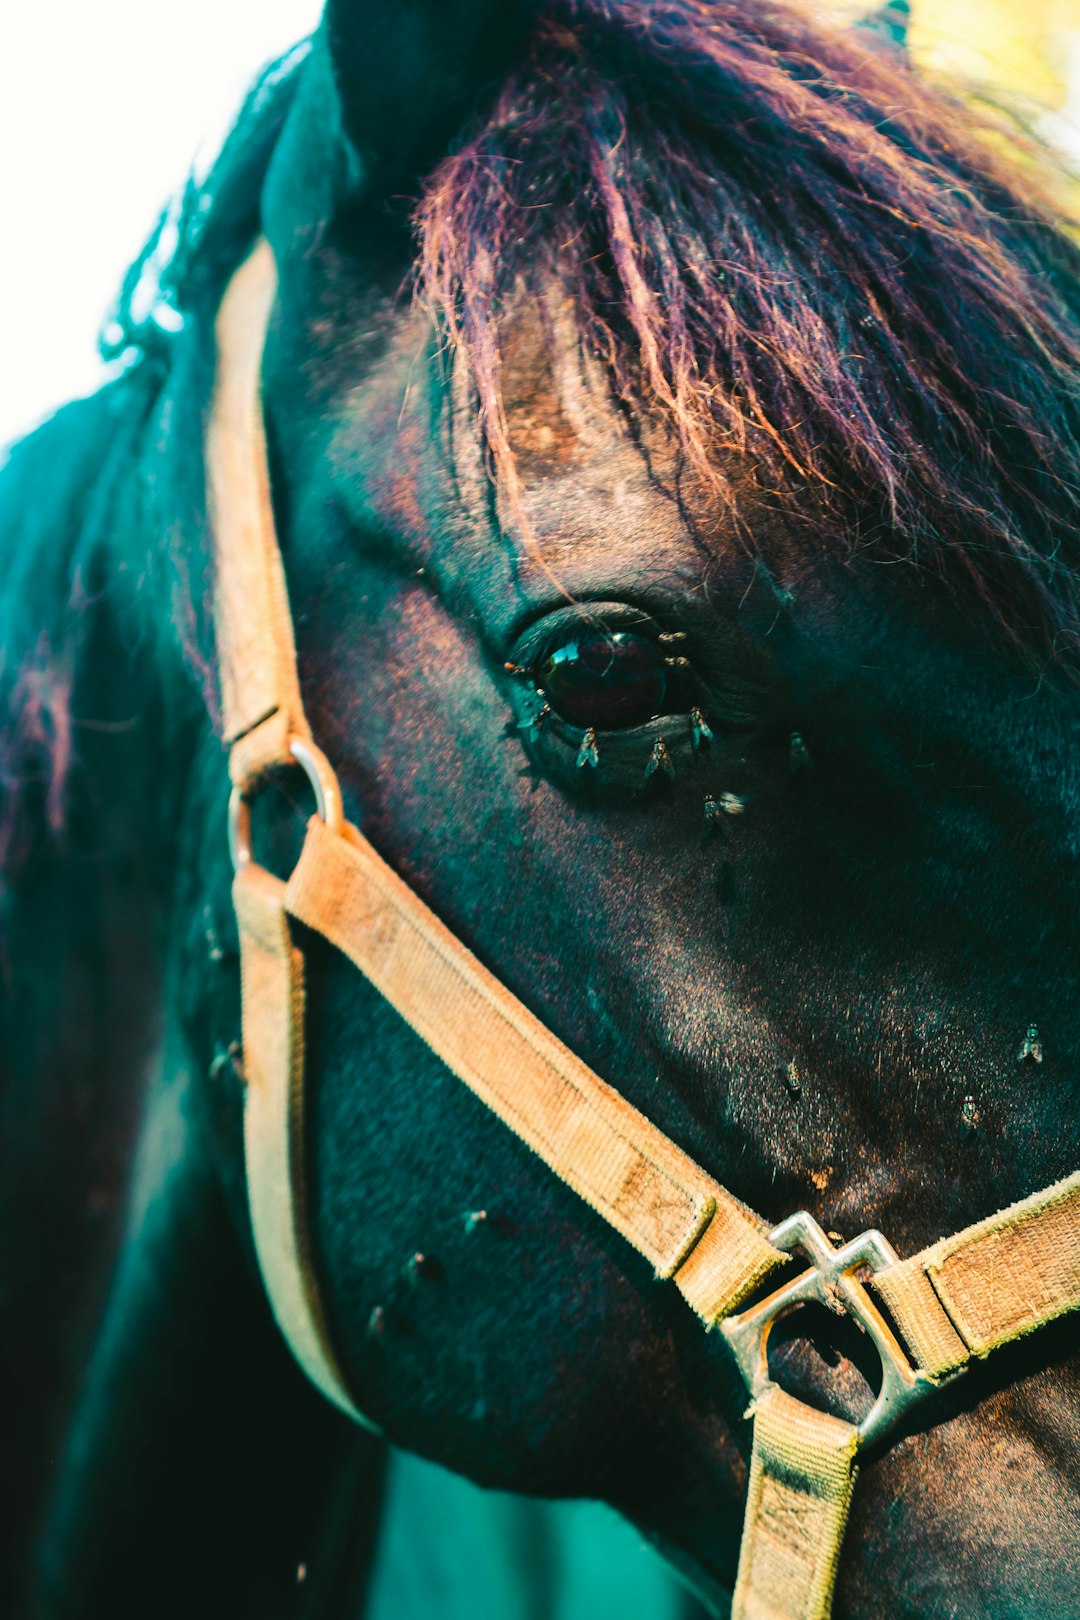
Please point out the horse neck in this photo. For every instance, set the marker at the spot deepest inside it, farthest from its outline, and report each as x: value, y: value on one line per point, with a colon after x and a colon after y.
x: 86, y: 735
x: 81, y: 715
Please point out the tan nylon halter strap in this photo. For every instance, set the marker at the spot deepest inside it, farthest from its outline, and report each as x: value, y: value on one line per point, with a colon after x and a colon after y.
x: 949, y: 1301
x: 997, y: 1281
x: 684, y: 1223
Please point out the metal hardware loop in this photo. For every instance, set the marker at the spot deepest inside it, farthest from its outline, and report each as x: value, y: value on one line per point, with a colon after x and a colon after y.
x: 831, y: 1281
x: 324, y: 785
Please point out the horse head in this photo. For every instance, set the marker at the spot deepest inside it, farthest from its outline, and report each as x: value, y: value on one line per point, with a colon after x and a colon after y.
x: 678, y: 507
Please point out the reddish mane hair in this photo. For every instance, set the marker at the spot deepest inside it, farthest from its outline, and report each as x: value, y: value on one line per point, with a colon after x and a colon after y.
x: 777, y: 236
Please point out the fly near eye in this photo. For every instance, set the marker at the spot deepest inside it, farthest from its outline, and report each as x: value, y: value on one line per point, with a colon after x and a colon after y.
x: 607, y: 679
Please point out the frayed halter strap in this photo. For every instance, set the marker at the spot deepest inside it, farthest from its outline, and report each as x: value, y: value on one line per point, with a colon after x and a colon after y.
x: 960, y: 1298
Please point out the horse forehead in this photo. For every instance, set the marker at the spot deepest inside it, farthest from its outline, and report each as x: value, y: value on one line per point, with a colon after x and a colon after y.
x: 597, y: 485
x: 603, y: 511
x: 597, y: 500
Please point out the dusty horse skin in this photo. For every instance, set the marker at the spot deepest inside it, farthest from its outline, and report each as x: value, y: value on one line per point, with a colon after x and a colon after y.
x: 673, y: 432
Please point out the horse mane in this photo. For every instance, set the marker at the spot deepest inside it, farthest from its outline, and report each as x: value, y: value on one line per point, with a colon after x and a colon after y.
x: 69, y: 493
x: 809, y: 262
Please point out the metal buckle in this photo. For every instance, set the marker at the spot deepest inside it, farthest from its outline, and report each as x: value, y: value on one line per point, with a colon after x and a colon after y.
x: 831, y: 1281
x: 324, y: 784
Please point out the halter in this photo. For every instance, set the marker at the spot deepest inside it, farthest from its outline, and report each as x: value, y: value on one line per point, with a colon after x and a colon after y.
x: 958, y: 1299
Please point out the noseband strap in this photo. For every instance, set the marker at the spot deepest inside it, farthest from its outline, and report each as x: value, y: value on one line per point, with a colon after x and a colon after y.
x: 962, y: 1297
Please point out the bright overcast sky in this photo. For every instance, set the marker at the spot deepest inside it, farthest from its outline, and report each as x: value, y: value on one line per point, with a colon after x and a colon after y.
x: 103, y: 105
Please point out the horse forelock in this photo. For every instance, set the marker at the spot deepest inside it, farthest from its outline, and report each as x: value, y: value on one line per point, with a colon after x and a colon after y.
x: 814, y: 264
x: 804, y: 258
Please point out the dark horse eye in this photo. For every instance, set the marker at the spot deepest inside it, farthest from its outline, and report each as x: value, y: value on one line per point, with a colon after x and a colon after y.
x: 605, y: 678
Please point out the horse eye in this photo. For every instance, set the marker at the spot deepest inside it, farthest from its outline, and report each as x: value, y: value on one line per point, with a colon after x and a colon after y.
x: 609, y: 679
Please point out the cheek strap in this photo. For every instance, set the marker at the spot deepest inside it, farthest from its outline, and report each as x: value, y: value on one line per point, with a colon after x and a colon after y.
x: 272, y: 1000
x: 960, y: 1298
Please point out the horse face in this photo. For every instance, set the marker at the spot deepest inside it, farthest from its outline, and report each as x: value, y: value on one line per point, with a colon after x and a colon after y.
x: 822, y: 990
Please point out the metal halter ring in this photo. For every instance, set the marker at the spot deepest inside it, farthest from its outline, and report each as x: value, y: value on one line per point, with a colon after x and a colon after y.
x: 324, y: 785
x: 831, y: 1280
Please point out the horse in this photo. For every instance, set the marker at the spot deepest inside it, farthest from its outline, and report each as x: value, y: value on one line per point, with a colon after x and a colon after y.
x: 673, y: 435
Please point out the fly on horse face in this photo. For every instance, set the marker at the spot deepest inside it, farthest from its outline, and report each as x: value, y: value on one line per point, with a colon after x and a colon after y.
x: 627, y: 456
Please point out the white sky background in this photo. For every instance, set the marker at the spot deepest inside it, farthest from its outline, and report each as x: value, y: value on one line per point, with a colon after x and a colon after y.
x: 103, y: 106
